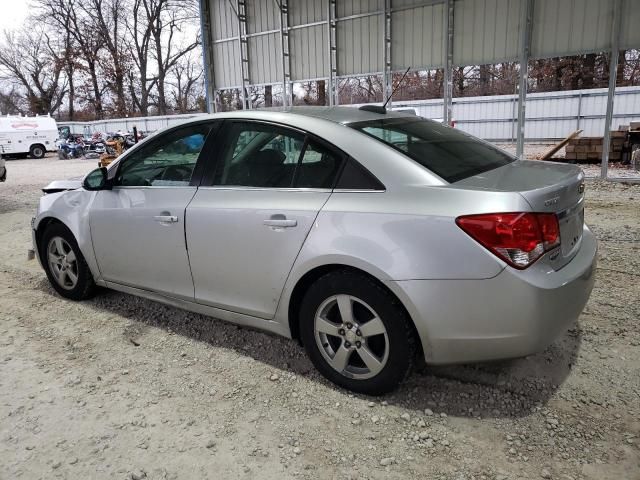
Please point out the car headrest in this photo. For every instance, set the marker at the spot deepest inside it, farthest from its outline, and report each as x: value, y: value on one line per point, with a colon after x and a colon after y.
x: 267, y: 157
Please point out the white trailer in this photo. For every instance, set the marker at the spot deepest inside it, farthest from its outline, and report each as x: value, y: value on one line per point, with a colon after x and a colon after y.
x: 27, y: 135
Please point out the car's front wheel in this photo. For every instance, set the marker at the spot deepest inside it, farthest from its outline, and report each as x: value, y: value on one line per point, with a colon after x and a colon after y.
x: 64, y: 264
x: 356, y: 332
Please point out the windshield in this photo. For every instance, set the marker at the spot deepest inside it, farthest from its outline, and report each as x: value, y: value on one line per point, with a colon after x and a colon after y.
x: 447, y: 152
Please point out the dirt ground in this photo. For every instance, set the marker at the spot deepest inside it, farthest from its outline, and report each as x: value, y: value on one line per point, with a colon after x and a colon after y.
x: 123, y: 388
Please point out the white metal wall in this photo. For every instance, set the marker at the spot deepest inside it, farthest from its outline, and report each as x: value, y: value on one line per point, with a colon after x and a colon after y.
x: 143, y: 124
x: 550, y: 115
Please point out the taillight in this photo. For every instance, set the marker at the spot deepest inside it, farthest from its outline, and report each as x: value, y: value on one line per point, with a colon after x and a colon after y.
x: 517, y: 238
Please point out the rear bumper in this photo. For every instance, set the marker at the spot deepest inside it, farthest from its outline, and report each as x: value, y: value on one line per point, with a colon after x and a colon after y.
x: 514, y: 314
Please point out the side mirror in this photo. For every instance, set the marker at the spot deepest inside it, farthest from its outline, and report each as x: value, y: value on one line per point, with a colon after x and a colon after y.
x: 96, y: 180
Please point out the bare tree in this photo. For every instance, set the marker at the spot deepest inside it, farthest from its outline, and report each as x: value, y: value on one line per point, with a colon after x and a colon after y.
x: 67, y: 15
x: 10, y: 102
x: 167, y: 24
x: 186, y: 83
x: 141, y: 82
x: 110, y: 28
x: 30, y: 61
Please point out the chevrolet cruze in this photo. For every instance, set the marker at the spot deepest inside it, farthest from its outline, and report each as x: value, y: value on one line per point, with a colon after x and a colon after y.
x: 372, y: 237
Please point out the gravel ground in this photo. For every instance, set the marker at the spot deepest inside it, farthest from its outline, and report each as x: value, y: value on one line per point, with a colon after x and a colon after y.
x: 124, y: 388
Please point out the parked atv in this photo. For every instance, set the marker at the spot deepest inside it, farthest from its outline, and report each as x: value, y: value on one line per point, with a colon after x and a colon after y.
x: 71, y: 148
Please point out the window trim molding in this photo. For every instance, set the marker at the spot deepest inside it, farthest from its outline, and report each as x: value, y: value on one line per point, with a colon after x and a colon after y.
x: 208, y: 177
x: 270, y: 189
x: 214, y: 124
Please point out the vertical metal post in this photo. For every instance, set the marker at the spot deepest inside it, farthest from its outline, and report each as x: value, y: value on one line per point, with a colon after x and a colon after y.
x: 579, y: 111
x: 525, y: 48
x: 514, y: 104
x: 241, y: 13
x: 613, y: 70
x: 448, y: 64
x: 386, y: 55
x: 207, y: 55
x: 333, y: 52
x: 283, y: 6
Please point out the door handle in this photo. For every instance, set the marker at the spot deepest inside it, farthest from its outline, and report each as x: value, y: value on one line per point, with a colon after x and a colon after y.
x: 281, y: 223
x: 166, y: 218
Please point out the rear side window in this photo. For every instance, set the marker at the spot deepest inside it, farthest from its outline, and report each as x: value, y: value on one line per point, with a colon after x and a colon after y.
x: 318, y: 167
x: 355, y: 177
x: 447, y: 152
x: 259, y: 155
x: 270, y: 156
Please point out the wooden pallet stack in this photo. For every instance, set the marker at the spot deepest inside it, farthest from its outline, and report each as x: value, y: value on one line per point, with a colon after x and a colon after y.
x: 589, y: 149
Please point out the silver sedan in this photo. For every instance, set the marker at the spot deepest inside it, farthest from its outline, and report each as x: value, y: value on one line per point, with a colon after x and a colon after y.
x: 373, y: 238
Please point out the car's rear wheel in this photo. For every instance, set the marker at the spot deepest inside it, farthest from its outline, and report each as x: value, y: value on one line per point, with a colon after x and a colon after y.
x: 64, y: 264
x: 356, y: 333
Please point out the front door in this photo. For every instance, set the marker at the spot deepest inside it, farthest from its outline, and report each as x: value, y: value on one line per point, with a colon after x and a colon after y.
x: 245, y: 229
x: 137, y: 228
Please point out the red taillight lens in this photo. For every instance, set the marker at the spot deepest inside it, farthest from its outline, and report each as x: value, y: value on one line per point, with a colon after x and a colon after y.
x: 517, y: 238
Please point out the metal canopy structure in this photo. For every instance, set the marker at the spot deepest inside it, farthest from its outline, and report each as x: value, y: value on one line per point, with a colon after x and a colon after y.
x: 267, y: 42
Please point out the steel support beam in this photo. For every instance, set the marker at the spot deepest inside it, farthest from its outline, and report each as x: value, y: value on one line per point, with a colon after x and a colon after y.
x: 447, y: 90
x: 207, y: 55
x: 613, y: 71
x: 386, y: 55
x: 525, y: 50
x: 333, y: 53
x: 283, y: 6
x: 241, y: 14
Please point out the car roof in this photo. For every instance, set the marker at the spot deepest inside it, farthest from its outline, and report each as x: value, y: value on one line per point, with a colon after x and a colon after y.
x: 341, y: 115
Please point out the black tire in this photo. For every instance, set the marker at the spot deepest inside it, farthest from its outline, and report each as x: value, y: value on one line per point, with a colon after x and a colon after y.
x: 37, y: 151
x: 400, y: 339
x: 85, y: 285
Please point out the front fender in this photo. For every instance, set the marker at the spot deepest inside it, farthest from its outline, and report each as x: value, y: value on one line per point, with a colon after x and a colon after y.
x: 72, y: 209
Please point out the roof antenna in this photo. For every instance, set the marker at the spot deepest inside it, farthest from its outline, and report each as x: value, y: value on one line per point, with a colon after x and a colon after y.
x: 398, y: 85
x: 383, y: 109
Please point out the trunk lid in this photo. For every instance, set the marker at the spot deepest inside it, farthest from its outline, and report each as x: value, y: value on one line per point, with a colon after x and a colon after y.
x: 547, y: 187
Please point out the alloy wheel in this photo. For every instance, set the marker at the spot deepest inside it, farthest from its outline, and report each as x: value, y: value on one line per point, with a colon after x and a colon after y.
x: 351, y: 337
x: 62, y: 263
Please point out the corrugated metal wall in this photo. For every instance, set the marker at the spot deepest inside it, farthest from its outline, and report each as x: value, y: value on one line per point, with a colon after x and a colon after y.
x: 550, y: 115
x: 308, y: 39
x: 143, y: 124
x: 571, y: 27
x: 364, y: 35
x: 485, y: 31
x: 226, y: 44
x: 423, y: 28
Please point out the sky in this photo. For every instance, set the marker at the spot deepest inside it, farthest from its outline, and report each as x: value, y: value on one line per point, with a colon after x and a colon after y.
x: 13, y: 14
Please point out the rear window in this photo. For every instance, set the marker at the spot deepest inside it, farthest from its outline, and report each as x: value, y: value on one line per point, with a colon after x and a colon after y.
x: 447, y: 152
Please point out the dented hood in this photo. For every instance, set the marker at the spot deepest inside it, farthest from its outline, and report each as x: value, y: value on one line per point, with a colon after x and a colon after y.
x: 62, y: 185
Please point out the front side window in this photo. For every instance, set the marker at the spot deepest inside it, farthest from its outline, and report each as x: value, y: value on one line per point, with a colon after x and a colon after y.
x: 447, y: 152
x: 166, y: 161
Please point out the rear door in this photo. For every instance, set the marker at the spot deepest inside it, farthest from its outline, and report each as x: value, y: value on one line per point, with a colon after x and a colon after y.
x: 249, y: 219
